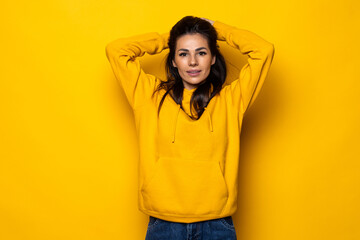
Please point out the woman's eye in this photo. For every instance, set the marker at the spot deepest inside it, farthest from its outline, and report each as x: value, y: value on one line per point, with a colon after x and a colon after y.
x: 202, y: 53
x: 182, y: 54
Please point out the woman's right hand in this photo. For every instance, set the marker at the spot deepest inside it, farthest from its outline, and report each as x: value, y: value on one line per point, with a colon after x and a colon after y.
x: 210, y: 21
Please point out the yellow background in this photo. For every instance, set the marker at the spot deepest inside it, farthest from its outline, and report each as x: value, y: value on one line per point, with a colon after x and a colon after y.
x: 68, y: 150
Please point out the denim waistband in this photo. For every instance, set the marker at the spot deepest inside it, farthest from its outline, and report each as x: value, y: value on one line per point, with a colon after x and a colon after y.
x: 225, y: 218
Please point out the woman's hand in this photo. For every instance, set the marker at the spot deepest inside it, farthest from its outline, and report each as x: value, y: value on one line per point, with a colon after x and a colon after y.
x: 210, y: 21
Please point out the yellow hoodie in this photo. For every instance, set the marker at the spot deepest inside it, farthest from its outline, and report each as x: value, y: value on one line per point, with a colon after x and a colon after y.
x: 188, y: 169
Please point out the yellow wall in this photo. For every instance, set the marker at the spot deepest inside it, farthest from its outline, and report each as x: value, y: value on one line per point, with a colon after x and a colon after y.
x: 68, y: 166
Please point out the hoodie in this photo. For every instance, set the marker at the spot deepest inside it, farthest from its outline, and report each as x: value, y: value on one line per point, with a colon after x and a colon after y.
x: 188, y: 169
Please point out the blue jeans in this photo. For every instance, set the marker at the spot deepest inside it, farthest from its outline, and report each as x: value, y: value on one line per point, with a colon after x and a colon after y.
x: 215, y: 229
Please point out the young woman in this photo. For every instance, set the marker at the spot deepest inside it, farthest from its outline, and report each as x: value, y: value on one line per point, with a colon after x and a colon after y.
x: 189, y: 126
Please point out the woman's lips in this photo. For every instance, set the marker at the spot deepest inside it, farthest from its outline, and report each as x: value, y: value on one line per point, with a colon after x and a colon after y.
x: 194, y: 73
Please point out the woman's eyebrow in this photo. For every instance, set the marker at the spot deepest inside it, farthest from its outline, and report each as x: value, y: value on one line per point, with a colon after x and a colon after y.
x: 186, y: 50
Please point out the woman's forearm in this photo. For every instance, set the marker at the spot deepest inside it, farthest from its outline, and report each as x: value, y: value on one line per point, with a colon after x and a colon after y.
x: 137, y: 46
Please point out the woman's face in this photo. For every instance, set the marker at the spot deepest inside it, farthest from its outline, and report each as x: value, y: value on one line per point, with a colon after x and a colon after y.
x: 193, y: 59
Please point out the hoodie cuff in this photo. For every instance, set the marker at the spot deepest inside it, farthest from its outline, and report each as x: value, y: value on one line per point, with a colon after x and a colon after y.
x: 165, y: 37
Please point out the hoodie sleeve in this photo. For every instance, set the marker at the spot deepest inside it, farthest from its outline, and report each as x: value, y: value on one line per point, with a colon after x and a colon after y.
x: 122, y: 54
x: 252, y: 75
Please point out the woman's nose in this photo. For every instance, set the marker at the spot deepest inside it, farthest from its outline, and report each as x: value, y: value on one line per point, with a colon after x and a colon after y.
x: 193, y: 61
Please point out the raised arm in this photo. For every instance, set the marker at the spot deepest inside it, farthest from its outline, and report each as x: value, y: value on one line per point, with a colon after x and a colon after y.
x: 252, y: 75
x: 122, y: 54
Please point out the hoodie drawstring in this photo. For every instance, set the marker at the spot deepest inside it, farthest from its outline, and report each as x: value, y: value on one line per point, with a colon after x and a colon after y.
x: 175, y: 123
x: 177, y: 116
x: 210, y: 122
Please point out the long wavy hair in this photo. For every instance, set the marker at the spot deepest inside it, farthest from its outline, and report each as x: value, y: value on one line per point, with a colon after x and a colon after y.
x: 211, y: 85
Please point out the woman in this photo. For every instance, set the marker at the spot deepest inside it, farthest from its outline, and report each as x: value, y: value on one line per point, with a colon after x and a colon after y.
x: 189, y: 126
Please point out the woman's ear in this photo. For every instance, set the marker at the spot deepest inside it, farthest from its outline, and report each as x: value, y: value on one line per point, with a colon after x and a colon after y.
x: 173, y: 63
x: 213, y: 60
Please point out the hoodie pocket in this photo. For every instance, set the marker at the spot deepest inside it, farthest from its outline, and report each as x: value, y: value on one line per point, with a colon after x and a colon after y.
x: 185, y: 187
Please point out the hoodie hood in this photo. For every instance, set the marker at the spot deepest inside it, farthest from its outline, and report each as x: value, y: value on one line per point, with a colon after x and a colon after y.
x: 187, y: 108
